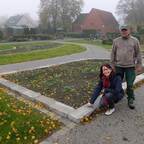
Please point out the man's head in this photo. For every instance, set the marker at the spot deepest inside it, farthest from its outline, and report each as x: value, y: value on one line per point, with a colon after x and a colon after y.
x: 125, y: 31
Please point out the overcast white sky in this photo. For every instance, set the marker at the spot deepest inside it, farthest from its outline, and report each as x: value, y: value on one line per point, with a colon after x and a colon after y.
x: 12, y: 7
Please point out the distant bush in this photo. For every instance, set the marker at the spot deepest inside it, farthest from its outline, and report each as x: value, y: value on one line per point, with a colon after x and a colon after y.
x: 20, y: 38
x: 107, y: 41
x: 84, y: 34
x: 140, y: 29
x: 137, y: 35
x: 41, y: 37
x: 92, y: 33
x: 17, y: 39
x: 1, y: 35
x: 112, y: 35
x: 75, y: 35
x: 142, y: 38
x: 109, y: 38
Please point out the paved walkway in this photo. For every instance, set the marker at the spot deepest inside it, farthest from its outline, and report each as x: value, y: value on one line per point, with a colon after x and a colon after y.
x: 93, y: 52
x: 125, y: 126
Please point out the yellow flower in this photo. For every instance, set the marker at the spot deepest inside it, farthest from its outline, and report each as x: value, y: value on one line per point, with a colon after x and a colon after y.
x: 53, y: 125
x: 18, y: 139
x: 35, y: 141
x: 1, y: 113
x: 14, y: 130
x: 33, y: 137
x: 2, y: 90
x: 25, y: 138
x: 8, y: 137
x: 46, y: 130
x: 12, y: 123
x: 1, y: 123
x: 32, y: 128
x: 30, y: 131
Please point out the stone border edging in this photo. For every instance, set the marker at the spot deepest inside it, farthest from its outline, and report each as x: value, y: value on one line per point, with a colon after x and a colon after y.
x: 52, y: 104
x: 64, y: 110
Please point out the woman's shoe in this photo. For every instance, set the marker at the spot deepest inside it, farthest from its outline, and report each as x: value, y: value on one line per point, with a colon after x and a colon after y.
x: 109, y: 111
x: 90, y: 105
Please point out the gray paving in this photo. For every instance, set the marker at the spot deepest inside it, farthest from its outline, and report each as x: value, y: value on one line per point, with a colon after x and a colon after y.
x: 92, y: 52
x: 125, y: 126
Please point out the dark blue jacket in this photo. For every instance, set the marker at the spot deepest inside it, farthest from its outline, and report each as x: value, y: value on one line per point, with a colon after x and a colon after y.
x: 115, y: 88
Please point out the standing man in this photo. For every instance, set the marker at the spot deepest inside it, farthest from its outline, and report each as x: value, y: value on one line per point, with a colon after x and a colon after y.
x: 126, y: 59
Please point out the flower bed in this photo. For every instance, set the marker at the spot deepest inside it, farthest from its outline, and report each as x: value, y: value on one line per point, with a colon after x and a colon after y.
x: 71, y: 83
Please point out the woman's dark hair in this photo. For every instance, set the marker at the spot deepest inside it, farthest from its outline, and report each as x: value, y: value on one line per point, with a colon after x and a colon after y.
x: 109, y: 67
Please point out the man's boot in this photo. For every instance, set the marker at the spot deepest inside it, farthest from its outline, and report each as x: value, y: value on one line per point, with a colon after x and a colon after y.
x: 131, y: 104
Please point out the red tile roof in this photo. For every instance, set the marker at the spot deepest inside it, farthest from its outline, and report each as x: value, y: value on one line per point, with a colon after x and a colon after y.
x: 99, y: 20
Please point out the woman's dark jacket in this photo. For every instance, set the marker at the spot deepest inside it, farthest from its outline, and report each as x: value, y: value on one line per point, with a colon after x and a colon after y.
x: 115, y: 87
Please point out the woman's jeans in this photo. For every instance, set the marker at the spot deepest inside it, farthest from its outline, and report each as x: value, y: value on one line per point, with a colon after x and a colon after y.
x: 108, y: 100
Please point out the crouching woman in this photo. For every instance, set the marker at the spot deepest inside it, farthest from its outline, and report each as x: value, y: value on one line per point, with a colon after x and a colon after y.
x: 110, y: 85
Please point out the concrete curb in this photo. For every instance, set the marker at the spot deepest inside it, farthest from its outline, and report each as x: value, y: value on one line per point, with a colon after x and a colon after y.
x: 52, y: 104
x: 61, y: 109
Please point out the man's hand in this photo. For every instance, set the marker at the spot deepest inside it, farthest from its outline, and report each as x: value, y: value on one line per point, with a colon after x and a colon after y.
x: 113, y: 67
x: 138, y: 68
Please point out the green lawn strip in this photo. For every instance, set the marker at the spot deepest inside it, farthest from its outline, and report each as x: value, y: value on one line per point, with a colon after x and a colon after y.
x: 6, y: 46
x: 98, y: 43
x: 93, y: 42
x: 22, y: 124
x: 44, y: 54
x: 71, y: 83
x: 29, y: 47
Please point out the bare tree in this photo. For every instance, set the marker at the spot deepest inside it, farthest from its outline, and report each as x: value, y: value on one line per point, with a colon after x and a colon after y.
x: 3, y: 19
x: 131, y: 11
x: 59, y: 13
x: 44, y: 14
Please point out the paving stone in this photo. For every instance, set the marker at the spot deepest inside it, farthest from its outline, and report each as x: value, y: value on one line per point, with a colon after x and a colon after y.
x: 77, y: 115
x: 58, y: 107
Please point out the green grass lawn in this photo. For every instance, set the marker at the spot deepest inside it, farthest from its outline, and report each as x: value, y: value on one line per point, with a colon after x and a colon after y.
x: 93, y: 42
x: 66, y: 49
x: 20, y: 45
x: 26, y: 47
x: 99, y: 43
x: 21, y: 123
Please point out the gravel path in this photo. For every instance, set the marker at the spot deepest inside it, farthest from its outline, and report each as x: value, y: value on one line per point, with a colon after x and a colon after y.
x: 125, y: 126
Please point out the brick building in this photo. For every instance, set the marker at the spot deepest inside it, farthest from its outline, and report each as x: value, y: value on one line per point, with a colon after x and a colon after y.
x: 99, y: 20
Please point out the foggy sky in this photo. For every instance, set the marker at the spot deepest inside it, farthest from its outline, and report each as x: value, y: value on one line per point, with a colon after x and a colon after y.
x: 12, y: 7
